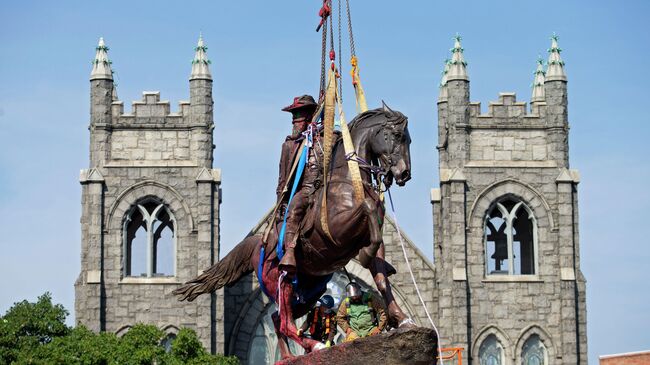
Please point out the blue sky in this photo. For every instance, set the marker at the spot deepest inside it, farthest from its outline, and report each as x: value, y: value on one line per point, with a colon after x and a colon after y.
x: 264, y: 53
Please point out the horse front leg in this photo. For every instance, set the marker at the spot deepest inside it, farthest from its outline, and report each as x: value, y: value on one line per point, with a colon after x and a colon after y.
x: 372, y: 258
x: 369, y: 208
x: 287, y: 323
x: 379, y: 270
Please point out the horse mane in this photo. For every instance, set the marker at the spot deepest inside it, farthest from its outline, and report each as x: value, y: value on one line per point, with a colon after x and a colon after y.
x: 372, y: 117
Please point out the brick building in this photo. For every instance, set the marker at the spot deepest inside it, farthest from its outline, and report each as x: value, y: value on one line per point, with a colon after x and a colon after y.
x: 630, y: 358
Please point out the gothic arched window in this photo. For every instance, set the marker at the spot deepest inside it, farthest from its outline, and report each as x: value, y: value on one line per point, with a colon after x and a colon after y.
x: 510, y: 239
x: 491, y: 351
x: 533, y: 352
x: 149, y: 240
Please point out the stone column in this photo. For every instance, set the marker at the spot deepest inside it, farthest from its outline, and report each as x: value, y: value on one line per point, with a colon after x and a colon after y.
x: 90, y: 298
x: 210, y: 308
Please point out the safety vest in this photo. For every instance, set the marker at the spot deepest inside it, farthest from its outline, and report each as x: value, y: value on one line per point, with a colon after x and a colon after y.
x: 314, y: 324
x: 367, y: 300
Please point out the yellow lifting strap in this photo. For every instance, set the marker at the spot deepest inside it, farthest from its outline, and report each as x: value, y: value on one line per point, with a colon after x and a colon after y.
x: 360, y: 96
x: 331, y: 99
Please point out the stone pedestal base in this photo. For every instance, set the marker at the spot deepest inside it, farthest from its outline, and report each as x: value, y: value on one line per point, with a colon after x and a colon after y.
x: 401, y: 346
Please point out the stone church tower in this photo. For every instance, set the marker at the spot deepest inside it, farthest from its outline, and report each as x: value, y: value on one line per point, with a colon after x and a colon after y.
x: 150, y: 208
x: 506, y: 243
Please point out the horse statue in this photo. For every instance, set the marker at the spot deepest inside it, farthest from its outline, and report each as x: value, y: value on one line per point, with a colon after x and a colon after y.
x: 382, y: 141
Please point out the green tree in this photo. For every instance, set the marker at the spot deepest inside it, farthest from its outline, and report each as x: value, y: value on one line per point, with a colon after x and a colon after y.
x: 187, y: 349
x: 80, y: 347
x: 35, y: 333
x: 141, y: 345
x: 26, y: 326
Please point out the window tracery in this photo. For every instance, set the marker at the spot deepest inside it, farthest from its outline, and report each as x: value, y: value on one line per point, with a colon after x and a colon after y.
x: 149, y: 237
x: 510, y: 239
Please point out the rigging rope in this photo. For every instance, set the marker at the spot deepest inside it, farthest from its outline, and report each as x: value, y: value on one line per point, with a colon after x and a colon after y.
x: 408, y: 264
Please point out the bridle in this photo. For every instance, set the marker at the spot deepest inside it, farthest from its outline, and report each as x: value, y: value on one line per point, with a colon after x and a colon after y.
x: 388, y: 128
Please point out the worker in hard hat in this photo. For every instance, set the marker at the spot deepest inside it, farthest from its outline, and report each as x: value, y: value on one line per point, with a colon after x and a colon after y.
x: 321, y: 322
x: 360, y: 314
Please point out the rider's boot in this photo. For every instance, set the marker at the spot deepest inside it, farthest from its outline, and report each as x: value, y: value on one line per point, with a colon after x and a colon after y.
x: 288, y: 262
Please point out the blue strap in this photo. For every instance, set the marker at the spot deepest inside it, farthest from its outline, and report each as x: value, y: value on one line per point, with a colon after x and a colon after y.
x: 260, y: 267
x: 296, y: 180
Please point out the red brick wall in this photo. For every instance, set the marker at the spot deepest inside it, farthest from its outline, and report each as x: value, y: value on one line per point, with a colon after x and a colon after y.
x: 630, y: 359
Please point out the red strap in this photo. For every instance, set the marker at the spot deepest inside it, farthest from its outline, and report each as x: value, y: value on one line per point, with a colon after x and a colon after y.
x: 323, y: 13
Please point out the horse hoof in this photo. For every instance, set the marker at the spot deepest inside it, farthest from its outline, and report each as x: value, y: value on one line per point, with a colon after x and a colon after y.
x: 407, y: 323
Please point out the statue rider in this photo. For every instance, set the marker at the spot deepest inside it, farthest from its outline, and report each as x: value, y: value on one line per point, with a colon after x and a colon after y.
x: 302, y: 110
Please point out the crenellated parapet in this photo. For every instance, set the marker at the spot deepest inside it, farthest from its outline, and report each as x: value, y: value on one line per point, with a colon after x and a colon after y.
x: 506, y: 112
x: 151, y: 111
x: 151, y: 135
x: 508, y: 132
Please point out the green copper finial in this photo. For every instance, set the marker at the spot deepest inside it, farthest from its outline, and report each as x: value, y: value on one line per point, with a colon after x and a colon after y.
x: 555, y: 37
x: 457, y: 37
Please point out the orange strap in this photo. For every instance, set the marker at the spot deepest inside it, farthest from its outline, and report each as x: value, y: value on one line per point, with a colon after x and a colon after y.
x: 312, y: 329
x: 327, y: 325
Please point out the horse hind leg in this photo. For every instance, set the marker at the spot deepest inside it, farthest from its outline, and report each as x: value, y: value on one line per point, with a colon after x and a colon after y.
x: 285, y: 352
x: 287, y: 323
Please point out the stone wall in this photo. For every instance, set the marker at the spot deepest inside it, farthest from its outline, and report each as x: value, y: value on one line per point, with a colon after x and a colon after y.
x: 152, y: 146
x: 511, y: 153
x: 150, y: 153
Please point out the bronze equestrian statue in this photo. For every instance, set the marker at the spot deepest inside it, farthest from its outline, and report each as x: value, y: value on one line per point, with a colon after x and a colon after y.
x: 381, y: 139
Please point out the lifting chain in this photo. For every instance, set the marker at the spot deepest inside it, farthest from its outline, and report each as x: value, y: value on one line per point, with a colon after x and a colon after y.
x: 340, y: 53
x: 352, y: 50
x: 321, y: 93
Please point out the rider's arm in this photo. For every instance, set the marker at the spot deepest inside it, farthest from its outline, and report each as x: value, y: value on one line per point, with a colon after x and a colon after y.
x: 283, y: 169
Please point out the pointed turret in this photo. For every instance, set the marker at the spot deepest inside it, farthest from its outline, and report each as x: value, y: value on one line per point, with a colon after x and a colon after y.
x: 102, y: 95
x: 555, y: 69
x: 114, y: 93
x: 538, y: 82
x: 555, y: 95
x: 200, y: 63
x: 101, y: 63
x: 444, y: 92
x: 458, y: 66
x: 201, y: 105
x: 454, y: 113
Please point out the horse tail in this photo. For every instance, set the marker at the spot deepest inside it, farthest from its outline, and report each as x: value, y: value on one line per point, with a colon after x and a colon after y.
x: 227, y: 271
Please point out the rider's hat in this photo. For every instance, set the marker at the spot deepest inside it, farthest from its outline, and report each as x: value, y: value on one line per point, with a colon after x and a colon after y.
x: 301, y: 108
